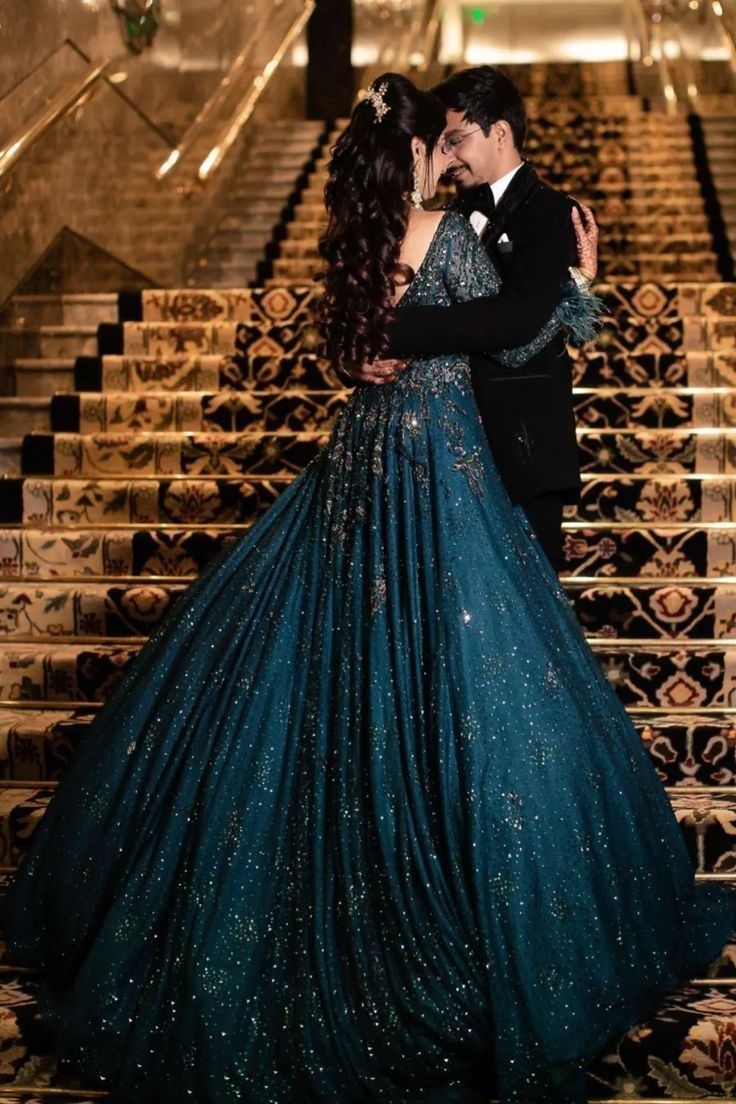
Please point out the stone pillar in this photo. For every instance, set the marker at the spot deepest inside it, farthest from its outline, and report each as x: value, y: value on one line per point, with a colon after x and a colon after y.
x: 329, y: 69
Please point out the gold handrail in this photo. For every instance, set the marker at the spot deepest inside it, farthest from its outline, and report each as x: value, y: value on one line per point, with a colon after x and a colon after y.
x: 247, y: 105
x: 430, y: 34
x: 688, y: 69
x: 56, y: 110
x: 225, y: 85
x: 726, y: 28
x: 654, y: 51
x: 410, y: 35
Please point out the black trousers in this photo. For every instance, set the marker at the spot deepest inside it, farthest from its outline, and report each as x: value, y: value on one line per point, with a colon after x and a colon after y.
x: 545, y: 516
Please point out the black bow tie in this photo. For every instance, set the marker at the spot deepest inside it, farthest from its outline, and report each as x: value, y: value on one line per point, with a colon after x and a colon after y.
x: 482, y: 200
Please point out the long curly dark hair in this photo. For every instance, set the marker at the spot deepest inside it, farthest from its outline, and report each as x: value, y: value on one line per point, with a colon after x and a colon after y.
x: 367, y: 199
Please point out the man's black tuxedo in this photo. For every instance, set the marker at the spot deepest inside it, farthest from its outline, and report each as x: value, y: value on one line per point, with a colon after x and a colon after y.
x: 527, y: 412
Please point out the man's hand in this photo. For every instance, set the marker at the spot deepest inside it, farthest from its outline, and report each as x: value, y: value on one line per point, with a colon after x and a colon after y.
x: 379, y: 371
x: 586, y: 237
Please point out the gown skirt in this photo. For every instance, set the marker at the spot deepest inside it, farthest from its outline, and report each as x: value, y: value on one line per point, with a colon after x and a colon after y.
x: 364, y: 821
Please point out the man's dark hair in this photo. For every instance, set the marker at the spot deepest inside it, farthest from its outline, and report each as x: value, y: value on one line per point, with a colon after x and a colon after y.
x: 484, y: 95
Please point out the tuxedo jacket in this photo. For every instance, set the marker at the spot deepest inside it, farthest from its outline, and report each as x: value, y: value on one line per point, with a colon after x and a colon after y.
x: 527, y: 412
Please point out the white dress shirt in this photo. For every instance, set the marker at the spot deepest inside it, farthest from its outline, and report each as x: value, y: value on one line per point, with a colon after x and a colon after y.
x: 499, y: 186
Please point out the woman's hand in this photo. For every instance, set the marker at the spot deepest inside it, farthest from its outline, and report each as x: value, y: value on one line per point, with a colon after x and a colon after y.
x: 586, y: 237
x: 378, y: 371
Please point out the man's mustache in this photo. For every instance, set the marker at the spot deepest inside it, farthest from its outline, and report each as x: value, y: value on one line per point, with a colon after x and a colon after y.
x: 451, y: 172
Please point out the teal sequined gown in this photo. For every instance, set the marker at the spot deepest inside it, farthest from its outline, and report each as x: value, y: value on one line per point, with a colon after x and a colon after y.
x: 364, y: 822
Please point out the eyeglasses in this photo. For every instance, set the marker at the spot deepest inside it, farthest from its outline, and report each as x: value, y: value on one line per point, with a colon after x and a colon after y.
x: 447, y: 145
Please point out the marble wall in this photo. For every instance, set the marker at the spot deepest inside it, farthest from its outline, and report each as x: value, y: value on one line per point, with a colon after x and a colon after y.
x: 195, y: 45
x: 94, y: 171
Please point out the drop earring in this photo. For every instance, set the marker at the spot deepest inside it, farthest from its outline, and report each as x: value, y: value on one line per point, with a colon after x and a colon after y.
x: 416, y: 195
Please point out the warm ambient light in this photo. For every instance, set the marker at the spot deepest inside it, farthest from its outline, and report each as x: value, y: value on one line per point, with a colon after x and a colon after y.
x: 208, y: 163
x: 118, y: 78
x: 692, y: 91
x: 717, y: 7
x: 670, y: 93
x: 168, y: 163
x: 480, y: 53
x: 11, y: 149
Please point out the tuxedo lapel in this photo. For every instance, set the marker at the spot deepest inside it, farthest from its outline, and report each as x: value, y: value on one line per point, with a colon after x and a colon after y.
x: 480, y: 198
x: 520, y: 188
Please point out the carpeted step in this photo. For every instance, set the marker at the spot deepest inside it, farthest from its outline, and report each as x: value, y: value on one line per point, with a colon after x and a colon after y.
x: 654, y: 497
x: 71, y: 502
x: 39, y: 744
x: 62, y: 672
x: 690, y: 749
x: 160, y: 340
x: 164, y: 339
x: 641, y: 356
x: 101, y: 454
x: 609, y: 364
x: 235, y: 372
x: 681, y: 675
x: 110, y: 552
x: 608, y: 550
x: 624, y: 451
x: 76, y: 611
x: 131, y: 549
x: 622, y: 609
x: 667, y: 266
x: 198, y: 411
x: 654, y: 407
x: 290, y: 304
x: 656, y: 450
x: 678, y: 610
x: 668, y: 499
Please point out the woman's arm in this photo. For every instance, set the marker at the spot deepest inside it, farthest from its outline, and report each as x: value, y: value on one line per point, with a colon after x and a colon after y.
x: 514, y: 317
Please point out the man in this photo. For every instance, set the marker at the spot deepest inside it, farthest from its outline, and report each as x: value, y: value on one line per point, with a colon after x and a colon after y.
x: 530, y: 231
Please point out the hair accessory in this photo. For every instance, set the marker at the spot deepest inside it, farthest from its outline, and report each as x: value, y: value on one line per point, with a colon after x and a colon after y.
x: 379, y: 105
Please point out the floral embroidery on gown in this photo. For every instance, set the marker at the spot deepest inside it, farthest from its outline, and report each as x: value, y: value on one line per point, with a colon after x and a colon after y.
x: 364, y: 821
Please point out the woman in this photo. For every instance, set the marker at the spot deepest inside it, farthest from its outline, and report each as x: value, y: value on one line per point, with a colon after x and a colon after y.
x: 366, y: 823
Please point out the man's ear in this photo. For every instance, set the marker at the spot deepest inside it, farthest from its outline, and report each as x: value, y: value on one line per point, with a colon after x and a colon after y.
x: 504, y: 136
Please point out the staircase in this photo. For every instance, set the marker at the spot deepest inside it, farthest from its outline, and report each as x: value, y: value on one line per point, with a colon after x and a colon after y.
x: 134, y: 450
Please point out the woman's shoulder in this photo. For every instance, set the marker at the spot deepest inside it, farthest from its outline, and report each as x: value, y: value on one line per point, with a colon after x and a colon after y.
x: 447, y: 225
x: 446, y: 216
x: 428, y: 221
x: 455, y: 223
